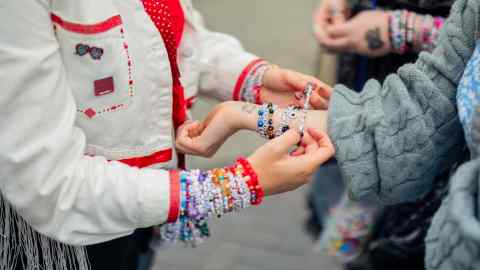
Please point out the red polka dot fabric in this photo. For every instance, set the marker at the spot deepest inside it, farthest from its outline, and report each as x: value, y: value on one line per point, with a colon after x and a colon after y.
x: 168, y: 17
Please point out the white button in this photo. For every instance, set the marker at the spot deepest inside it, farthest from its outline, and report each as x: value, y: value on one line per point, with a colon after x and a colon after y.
x: 187, y: 52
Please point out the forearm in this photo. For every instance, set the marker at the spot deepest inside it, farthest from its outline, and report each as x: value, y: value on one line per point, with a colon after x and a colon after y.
x: 244, y: 116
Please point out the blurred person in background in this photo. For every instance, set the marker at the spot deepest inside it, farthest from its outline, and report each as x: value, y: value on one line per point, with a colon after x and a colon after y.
x: 372, y: 40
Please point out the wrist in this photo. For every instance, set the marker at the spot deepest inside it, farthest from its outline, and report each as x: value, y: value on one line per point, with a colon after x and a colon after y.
x: 243, y: 115
x: 317, y: 120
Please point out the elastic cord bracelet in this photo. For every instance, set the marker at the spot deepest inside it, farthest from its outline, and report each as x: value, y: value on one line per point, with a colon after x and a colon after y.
x: 265, y: 126
x: 208, y: 194
x: 251, y: 177
x: 270, y: 132
x: 251, y: 90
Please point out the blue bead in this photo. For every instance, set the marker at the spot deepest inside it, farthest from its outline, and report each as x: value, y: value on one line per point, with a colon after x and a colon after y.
x: 260, y: 123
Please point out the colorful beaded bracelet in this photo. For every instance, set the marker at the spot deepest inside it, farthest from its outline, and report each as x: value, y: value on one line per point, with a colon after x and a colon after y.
x: 407, y: 34
x: 211, y: 193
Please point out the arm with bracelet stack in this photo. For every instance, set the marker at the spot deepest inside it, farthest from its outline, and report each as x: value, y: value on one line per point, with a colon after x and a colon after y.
x: 267, y: 120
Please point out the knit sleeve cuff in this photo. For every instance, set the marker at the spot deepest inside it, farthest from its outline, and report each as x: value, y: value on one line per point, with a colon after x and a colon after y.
x: 352, y: 118
x: 240, y: 84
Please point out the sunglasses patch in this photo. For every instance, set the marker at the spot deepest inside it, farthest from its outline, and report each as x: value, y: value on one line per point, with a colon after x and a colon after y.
x: 83, y: 49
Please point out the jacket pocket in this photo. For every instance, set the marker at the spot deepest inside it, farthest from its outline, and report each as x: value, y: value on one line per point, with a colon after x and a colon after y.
x: 98, y: 64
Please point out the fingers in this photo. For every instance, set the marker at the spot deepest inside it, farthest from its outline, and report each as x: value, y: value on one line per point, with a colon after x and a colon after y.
x: 298, y: 152
x: 323, y: 89
x: 339, y: 30
x: 195, y: 129
x: 337, y: 36
x: 339, y: 18
x: 341, y: 44
x: 316, y: 153
x: 318, y: 103
x: 324, y: 149
x: 320, y: 21
x: 282, y: 144
x: 317, y: 136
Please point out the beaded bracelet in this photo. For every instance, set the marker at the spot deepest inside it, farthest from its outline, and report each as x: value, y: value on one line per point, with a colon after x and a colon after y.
x: 291, y: 114
x: 411, y: 31
x: 212, y: 193
x: 270, y: 133
x: 404, y: 35
x: 262, y: 120
x: 250, y: 91
x: 265, y: 121
x: 246, y: 171
x: 285, y: 119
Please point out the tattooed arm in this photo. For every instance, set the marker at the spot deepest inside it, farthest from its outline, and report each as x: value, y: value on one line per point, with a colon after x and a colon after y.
x: 205, y: 138
x: 376, y: 33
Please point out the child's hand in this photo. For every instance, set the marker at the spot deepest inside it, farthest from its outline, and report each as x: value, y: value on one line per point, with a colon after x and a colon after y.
x: 205, y: 138
x: 280, y: 172
x: 311, y: 137
x: 186, y: 141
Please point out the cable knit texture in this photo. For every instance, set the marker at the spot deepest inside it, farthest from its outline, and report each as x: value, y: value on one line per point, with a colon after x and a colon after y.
x: 392, y: 140
x: 453, y: 241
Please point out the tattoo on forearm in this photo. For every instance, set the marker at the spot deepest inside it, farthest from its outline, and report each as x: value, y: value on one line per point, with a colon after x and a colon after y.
x: 373, y: 39
x: 249, y: 108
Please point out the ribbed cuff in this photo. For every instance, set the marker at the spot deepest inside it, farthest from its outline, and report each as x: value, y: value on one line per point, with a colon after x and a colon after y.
x: 241, y: 78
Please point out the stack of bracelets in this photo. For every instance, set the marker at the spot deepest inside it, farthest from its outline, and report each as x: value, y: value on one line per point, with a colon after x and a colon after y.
x: 292, y: 116
x: 410, y: 32
x: 206, y: 194
x: 250, y: 91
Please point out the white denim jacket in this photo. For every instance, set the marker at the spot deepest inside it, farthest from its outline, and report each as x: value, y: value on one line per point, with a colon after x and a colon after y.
x: 65, y: 117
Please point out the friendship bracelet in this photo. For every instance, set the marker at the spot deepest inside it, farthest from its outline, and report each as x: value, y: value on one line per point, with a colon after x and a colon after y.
x: 405, y: 35
x: 270, y: 133
x: 284, y: 124
x: 256, y: 190
x: 251, y: 89
x: 262, y: 121
x: 265, y: 121
x: 265, y: 125
x: 212, y: 193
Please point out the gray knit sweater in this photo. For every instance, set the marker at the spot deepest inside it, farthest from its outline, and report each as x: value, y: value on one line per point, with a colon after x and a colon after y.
x: 393, y: 139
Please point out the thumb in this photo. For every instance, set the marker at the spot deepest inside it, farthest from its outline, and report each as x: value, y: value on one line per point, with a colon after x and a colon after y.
x: 284, y: 143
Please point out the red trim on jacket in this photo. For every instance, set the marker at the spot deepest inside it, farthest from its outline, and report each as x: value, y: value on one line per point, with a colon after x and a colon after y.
x: 174, y: 209
x: 241, y: 78
x: 88, y: 28
x: 146, y: 161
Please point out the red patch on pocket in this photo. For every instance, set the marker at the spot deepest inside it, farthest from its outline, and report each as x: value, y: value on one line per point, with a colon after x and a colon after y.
x: 103, y: 86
